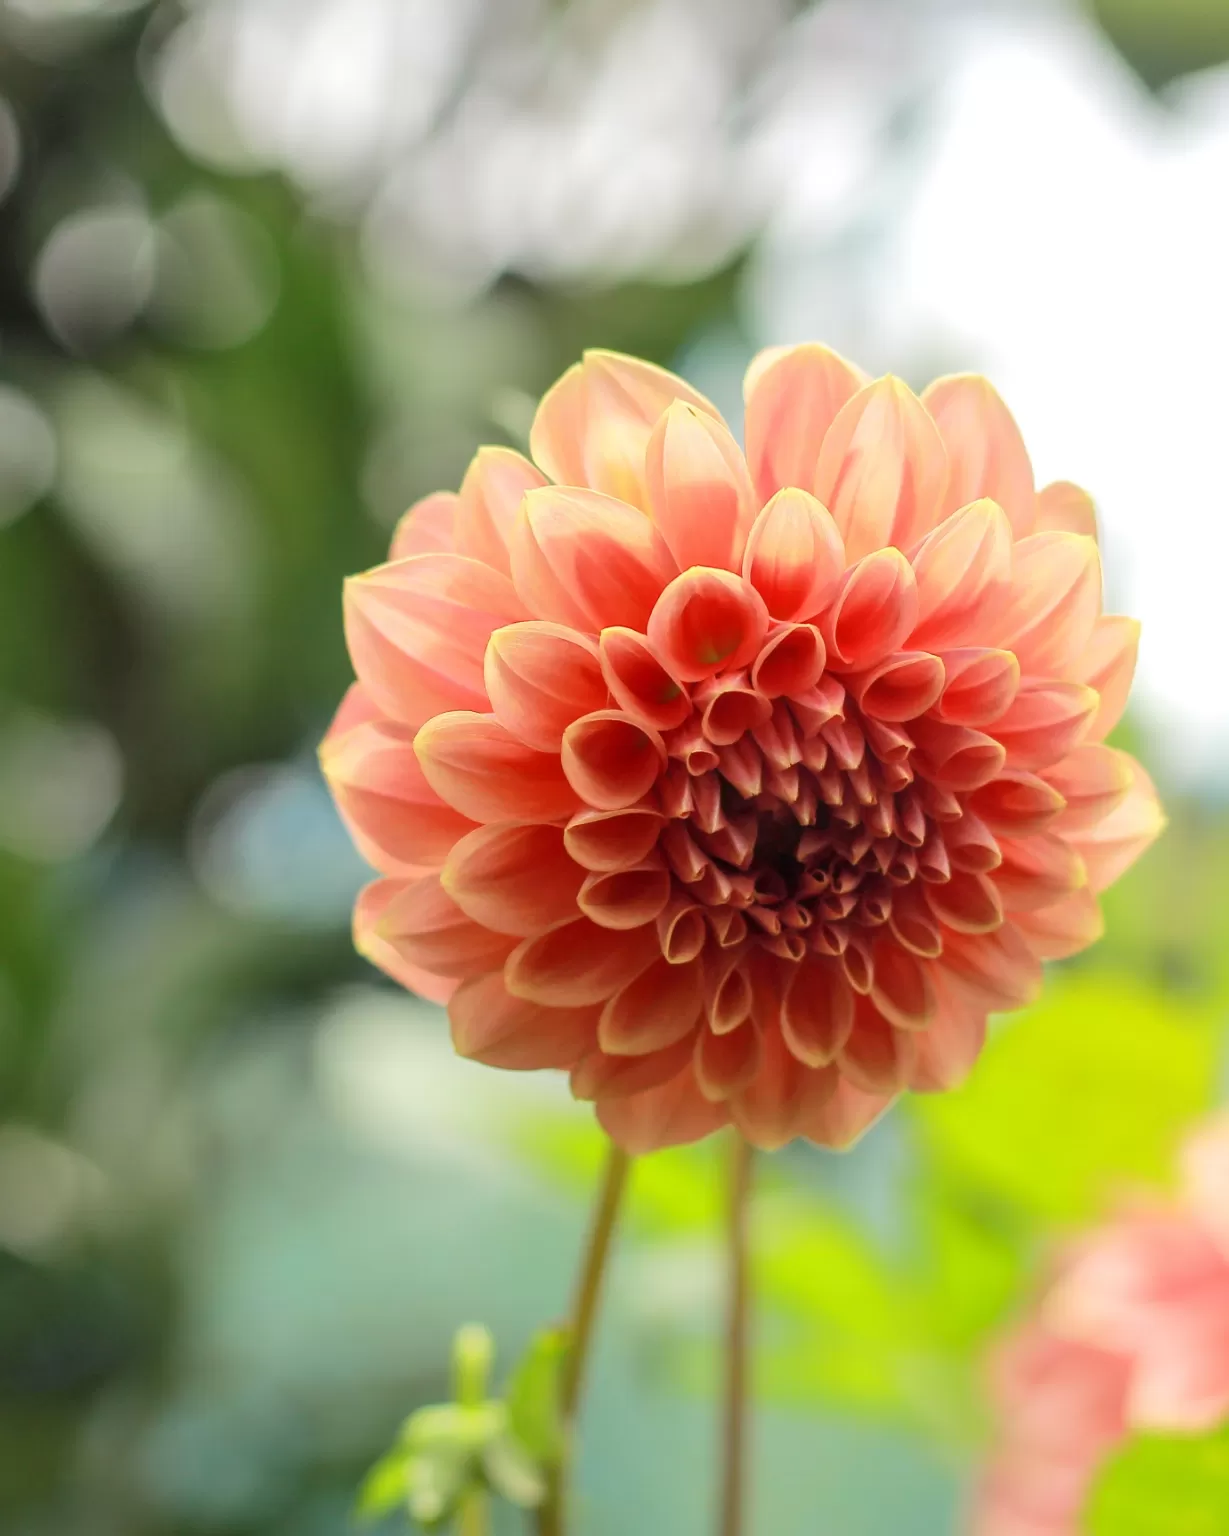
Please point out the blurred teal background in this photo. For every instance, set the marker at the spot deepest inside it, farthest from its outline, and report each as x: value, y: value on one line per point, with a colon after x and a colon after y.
x: 269, y: 271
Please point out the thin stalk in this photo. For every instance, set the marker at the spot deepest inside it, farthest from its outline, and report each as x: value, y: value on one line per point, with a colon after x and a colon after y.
x: 734, y: 1419
x: 580, y: 1327
x: 473, y: 1518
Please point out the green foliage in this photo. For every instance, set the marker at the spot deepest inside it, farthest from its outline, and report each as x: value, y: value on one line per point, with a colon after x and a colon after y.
x: 1164, y: 1485
x: 533, y: 1396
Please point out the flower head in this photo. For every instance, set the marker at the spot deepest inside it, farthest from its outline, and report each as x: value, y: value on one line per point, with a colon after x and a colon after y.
x: 742, y: 787
x: 1131, y: 1334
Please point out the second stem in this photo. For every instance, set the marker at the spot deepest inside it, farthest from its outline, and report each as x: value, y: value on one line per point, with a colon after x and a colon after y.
x: 734, y: 1423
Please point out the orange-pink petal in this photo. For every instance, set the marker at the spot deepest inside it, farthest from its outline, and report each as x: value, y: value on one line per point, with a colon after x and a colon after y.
x: 707, y: 621
x: 427, y: 528
x: 986, y: 455
x: 1045, y: 722
x: 882, y: 469
x: 670, y: 1115
x: 980, y: 684
x: 479, y: 768
x: 793, y: 395
x: 639, y: 680
x: 817, y: 1013
x: 492, y: 1026
x: 962, y: 569
x: 1053, y: 602
x: 372, y: 943
x: 417, y: 630
x: 425, y: 927
x: 514, y: 878
x: 1113, y: 845
x: 1108, y: 665
x: 700, y: 493
x: 539, y: 678
x: 1066, y: 507
x: 611, y: 760
x: 491, y: 494
x: 653, y: 1010
x: 794, y: 555
x: 579, y: 963
x: 873, y: 610
x: 611, y: 840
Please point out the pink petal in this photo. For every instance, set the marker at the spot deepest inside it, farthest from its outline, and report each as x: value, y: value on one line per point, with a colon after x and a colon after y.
x: 491, y: 495
x: 794, y: 556
x: 948, y: 1048
x: 587, y: 560
x: 611, y: 840
x: 980, y: 685
x: 873, y: 610
x: 425, y: 927
x: 882, y: 469
x: 1057, y: 932
x: 492, y: 1026
x: 1113, y: 845
x: 1045, y: 722
x: 900, y: 687
x: 1017, y: 803
x: 639, y: 681
x: 681, y: 931
x: 371, y: 943
x: 539, y: 678
x: 902, y: 988
x: 1053, y: 603
x: 1092, y: 780
x: 1108, y: 665
x: 480, y: 769
x: 962, y: 570
x: 766, y: 1111
x: 725, y: 1064
x: 601, y: 1078
x: 700, y: 493
x: 396, y: 819
x: 967, y: 903
x: 843, y: 1117
x: 516, y: 879
x: 706, y: 621
x: 878, y: 1058
x: 626, y: 898
x: 994, y: 971
x: 793, y: 395
x: 610, y: 760
x: 985, y: 453
x: 955, y: 756
x: 1204, y: 1162
x: 1066, y: 507
x: 790, y: 662
x: 417, y: 631
x: 730, y: 709
x: 579, y: 963
x: 670, y: 1115
x: 1037, y: 871
x: 427, y: 528
x: 657, y: 1008
x: 593, y: 426
x: 818, y: 1012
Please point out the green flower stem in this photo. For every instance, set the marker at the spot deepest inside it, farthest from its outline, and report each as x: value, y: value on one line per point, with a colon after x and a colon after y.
x: 733, y: 1437
x: 473, y: 1518
x: 580, y: 1329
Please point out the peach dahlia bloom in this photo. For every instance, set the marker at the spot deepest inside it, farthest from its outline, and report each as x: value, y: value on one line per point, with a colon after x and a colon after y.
x: 1132, y: 1334
x: 741, y: 787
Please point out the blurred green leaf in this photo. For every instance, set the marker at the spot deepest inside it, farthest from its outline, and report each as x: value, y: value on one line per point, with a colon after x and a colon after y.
x: 533, y: 1395
x: 386, y: 1487
x: 1164, y: 1486
x: 513, y: 1473
x: 1086, y: 1093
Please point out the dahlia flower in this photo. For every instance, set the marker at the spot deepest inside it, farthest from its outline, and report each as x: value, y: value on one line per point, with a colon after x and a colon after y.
x: 742, y: 787
x: 1131, y: 1334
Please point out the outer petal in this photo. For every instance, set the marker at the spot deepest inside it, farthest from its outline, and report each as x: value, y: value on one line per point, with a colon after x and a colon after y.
x: 794, y: 556
x: 484, y: 772
x: 492, y: 1026
x: 417, y: 631
x: 539, y: 678
x: 1064, y: 929
x: 882, y: 469
x: 593, y: 426
x: 767, y: 1110
x: 579, y: 963
x: 700, y: 493
x: 843, y: 1117
x: 654, y: 1010
x: 985, y: 452
x: 427, y: 528
x: 793, y: 395
x: 948, y: 1049
x: 1046, y: 721
x: 491, y: 494
x: 371, y: 943
x: 1066, y: 507
x: 587, y: 560
x: 1092, y: 780
x: 670, y: 1115
x: 1054, y: 601
x: 1108, y: 665
x: 426, y: 928
x: 962, y: 569
x: 397, y: 820
x: 514, y: 879
x: 874, y: 609
x: 1113, y: 845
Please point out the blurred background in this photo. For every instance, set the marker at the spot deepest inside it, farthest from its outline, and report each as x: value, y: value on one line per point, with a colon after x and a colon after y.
x: 269, y: 271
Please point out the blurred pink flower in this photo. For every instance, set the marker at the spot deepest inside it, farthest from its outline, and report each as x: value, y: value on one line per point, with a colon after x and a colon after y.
x: 742, y: 787
x: 1132, y: 1333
